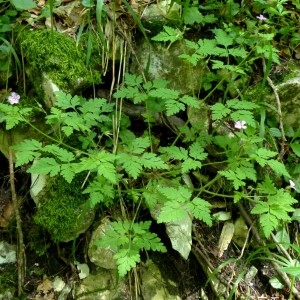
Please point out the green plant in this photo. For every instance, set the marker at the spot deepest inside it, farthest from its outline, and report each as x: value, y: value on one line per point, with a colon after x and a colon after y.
x: 128, y: 239
x: 235, y: 156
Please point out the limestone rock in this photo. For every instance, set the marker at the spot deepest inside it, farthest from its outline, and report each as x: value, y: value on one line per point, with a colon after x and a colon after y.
x: 289, y: 93
x: 154, y: 286
x: 100, y: 256
x: 161, y: 13
x: 103, y: 285
x: 165, y: 64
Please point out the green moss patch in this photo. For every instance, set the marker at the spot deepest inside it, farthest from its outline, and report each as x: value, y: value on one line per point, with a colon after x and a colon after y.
x: 51, y: 52
x: 63, y: 212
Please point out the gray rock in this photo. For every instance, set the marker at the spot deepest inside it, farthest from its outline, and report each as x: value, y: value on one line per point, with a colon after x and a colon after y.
x: 7, y: 253
x: 103, y: 284
x: 101, y: 256
x: 165, y: 64
x: 154, y: 286
x: 289, y: 93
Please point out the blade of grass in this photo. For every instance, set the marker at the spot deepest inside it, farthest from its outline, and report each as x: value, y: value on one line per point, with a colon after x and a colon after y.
x: 137, y: 20
x: 12, y: 50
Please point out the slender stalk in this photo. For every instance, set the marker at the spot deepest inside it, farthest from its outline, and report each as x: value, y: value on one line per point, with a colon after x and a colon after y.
x: 21, y: 258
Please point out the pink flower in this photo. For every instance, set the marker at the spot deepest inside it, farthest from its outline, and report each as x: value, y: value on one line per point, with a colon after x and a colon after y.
x: 240, y: 125
x: 261, y: 17
x: 14, y: 98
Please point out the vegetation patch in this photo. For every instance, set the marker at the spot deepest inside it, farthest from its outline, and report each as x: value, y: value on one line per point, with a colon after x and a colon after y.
x: 58, y: 56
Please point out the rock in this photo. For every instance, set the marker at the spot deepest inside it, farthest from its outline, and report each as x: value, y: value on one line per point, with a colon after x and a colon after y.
x: 49, y: 88
x: 102, y: 284
x: 154, y: 286
x: 289, y: 93
x: 38, y: 183
x: 240, y: 232
x: 161, y: 13
x: 165, y: 64
x: 62, y: 209
x: 179, y: 232
x: 100, y: 256
x: 7, y: 253
x: 54, y: 60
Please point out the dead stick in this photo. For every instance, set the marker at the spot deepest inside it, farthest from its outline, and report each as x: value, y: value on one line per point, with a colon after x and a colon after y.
x: 21, y: 248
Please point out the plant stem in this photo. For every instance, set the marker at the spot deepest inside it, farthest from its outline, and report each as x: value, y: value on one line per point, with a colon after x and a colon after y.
x: 21, y: 258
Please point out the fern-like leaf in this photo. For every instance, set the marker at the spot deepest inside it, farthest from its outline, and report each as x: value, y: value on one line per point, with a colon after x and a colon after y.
x: 13, y: 115
x: 200, y: 209
x: 174, y: 152
x: 67, y: 171
x: 169, y: 35
x: 45, y: 166
x: 278, y: 167
x: 131, y: 164
x: 190, y: 164
x: 137, y: 145
x: 164, y: 93
x: 268, y: 223
x: 152, y: 161
x: 173, y: 107
x: 126, y: 260
x: 222, y: 37
x: 133, y: 79
x: 190, y: 101
x: 180, y: 194
x: 27, y: 151
x: 236, y: 177
x: 172, y: 211
x: 262, y: 155
x: 66, y: 101
x: 196, y: 151
x: 219, y: 111
x: 60, y: 153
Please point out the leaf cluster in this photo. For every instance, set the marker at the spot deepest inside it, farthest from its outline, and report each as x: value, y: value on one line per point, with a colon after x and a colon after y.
x: 235, y: 110
x: 78, y: 114
x: 129, y: 238
x: 155, y: 95
x: 275, y: 208
x: 189, y: 159
x: 177, y: 203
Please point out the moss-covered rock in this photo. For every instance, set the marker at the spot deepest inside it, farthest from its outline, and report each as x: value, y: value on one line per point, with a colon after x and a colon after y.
x: 62, y: 210
x: 55, y: 54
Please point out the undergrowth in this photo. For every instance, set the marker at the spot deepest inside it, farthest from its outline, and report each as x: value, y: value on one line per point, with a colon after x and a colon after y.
x: 246, y: 151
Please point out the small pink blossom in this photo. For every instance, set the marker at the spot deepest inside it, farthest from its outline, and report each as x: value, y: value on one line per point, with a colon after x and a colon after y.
x: 14, y: 98
x: 261, y: 17
x: 240, y: 125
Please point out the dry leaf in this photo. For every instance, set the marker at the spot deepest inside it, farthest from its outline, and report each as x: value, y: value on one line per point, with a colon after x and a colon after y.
x: 225, y: 238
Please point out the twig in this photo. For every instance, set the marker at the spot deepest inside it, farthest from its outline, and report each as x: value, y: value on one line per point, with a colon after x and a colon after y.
x: 283, y: 138
x: 282, y: 249
x: 21, y: 258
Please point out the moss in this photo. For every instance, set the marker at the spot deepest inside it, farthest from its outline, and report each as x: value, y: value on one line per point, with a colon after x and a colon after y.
x: 57, y: 55
x: 61, y: 208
